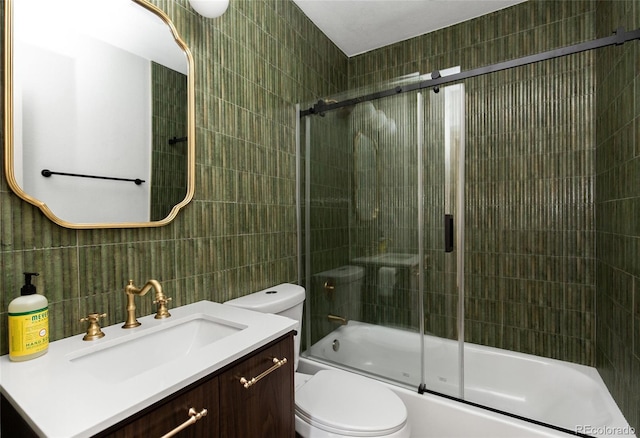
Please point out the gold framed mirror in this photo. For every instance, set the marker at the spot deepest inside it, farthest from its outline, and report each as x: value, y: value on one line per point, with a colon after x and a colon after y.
x: 99, y: 112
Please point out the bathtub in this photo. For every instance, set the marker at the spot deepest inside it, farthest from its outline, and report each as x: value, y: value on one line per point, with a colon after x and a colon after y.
x: 561, y: 394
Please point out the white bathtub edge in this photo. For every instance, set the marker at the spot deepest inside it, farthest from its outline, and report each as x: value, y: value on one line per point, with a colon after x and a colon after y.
x: 431, y: 416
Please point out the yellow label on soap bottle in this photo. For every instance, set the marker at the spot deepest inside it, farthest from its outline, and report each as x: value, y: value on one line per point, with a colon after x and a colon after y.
x: 28, y: 332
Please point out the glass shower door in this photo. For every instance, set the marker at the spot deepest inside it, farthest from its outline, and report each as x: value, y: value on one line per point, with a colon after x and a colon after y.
x: 442, y: 144
x: 378, y: 179
x: 360, y: 166
x: 387, y: 246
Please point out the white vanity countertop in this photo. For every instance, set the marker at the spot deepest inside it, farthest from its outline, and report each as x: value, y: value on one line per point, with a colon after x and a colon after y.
x: 59, y: 398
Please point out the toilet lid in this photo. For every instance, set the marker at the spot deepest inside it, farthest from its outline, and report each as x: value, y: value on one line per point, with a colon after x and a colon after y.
x: 348, y: 404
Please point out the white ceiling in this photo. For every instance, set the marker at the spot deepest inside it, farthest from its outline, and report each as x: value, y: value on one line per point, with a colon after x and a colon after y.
x: 357, y: 26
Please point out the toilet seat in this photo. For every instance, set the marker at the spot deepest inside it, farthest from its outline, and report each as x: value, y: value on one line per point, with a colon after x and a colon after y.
x: 347, y: 404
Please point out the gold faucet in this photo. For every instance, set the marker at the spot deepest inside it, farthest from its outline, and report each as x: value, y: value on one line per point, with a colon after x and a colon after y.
x: 131, y: 290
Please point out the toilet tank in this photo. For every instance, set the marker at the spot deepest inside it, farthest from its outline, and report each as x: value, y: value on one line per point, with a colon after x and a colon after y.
x: 339, y: 291
x: 284, y: 299
x: 343, y: 276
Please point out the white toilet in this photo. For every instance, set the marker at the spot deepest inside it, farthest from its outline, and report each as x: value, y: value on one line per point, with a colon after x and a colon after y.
x: 331, y: 403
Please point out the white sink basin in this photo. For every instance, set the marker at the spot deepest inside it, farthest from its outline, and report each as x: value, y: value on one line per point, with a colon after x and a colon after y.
x: 127, y: 357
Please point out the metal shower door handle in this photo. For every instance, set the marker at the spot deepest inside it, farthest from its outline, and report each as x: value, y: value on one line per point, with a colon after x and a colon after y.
x: 448, y: 233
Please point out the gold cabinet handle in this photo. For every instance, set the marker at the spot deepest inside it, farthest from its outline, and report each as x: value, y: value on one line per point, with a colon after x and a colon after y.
x: 277, y: 363
x: 193, y: 417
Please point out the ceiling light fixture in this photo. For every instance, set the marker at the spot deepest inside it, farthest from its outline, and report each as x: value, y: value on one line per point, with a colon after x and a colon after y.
x: 210, y: 8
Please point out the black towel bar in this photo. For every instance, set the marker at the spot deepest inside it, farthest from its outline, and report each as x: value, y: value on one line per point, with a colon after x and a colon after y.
x: 47, y: 173
x: 175, y: 140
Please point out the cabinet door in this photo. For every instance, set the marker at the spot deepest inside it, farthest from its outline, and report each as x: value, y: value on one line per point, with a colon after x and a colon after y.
x: 266, y: 408
x: 11, y: 423
x: 163, y: 418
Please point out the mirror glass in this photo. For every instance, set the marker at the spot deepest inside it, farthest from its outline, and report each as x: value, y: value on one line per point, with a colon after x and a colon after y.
x: 366, y: 174
x: 99, y: 112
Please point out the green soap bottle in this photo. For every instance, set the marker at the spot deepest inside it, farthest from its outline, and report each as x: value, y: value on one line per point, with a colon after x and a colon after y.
x: 28, y: 323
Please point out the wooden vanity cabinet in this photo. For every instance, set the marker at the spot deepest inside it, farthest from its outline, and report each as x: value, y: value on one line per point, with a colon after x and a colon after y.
x: 265, y: 409
x: 163, y: 417
x: 11, y: 423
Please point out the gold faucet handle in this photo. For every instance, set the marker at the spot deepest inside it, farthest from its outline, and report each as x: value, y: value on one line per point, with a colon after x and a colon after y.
x: 163, y: 300
x: 93, y: 317
x: 162, y: 311
x: 93, y: 331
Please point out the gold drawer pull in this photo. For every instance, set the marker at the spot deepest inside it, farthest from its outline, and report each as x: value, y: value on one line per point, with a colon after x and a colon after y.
x: 277, y: 363
x: 193, y: 417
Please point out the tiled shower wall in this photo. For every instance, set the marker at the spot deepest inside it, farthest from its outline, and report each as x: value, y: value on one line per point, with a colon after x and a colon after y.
x: 529, y: 229
x: 540, y: 139
x: 252, y: 65
x: 618, y: 208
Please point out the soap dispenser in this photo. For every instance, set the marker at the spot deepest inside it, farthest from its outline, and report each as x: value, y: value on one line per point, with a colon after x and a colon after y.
x: 28, y: 323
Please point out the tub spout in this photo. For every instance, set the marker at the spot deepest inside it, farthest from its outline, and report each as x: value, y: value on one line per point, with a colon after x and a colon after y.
x: 338, y: 319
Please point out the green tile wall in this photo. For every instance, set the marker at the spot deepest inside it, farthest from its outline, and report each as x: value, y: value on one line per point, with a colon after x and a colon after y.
x: 618, y: 208
x: 552, y: 185
x: 529, y: 235
x: 252, y: 65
